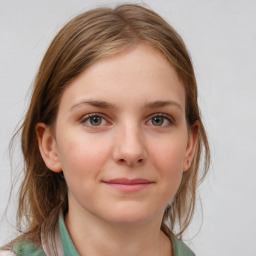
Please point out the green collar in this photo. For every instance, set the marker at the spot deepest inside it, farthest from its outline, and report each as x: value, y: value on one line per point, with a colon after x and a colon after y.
x: 68, y: 246
x: 25, y: 248
x: 180, y: 249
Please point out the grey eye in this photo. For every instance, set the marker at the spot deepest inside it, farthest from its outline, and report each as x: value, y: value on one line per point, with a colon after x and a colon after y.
x: 95, y: 120
x: 157, y: 120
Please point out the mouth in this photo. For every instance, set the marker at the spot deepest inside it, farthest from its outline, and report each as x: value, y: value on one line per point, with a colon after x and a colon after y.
x: 128, y: 185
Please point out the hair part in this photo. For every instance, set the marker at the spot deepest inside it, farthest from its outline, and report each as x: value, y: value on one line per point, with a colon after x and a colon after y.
x: 88, y: 38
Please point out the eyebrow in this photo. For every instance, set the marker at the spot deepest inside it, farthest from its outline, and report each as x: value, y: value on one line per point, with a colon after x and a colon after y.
x: 160, y: 103
x: 107, y: 105
x: 94, y: 103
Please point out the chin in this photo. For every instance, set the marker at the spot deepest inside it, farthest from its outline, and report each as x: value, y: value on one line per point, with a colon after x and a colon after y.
x: 133, y: 216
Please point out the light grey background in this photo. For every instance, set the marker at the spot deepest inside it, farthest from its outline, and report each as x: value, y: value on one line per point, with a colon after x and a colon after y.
x: 221, y: 37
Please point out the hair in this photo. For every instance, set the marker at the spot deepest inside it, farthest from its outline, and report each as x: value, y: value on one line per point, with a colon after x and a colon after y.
x: 88, y: 38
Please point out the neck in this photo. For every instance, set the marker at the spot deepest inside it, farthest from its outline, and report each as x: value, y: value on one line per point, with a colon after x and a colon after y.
x: 92, y: 236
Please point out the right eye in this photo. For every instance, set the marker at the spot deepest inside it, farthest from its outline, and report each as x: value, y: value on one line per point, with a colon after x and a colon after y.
x: 94, y: 120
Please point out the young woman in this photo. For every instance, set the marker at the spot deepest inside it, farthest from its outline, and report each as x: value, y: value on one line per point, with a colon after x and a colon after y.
x: 112, y: 140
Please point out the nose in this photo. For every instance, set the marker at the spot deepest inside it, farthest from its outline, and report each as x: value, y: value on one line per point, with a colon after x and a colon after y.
x: 130, y: 147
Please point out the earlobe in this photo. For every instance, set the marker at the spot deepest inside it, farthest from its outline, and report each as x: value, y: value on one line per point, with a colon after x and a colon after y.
x: 48, y: 147
x: 191, y: 146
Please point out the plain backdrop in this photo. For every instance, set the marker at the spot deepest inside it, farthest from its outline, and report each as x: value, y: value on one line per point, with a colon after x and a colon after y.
x: 221, y: 38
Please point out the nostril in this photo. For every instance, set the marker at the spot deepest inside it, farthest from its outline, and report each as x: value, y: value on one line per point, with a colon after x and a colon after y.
x: 124, y: 161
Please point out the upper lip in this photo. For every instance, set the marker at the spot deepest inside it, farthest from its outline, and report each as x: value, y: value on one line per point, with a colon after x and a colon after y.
x: 128, y: 181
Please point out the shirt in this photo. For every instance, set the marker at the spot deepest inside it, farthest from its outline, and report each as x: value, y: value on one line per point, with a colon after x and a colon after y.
x: 66, y: 247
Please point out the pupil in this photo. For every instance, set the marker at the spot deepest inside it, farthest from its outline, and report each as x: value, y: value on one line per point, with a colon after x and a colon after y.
x: 158, y: 120
x: 95, y: 120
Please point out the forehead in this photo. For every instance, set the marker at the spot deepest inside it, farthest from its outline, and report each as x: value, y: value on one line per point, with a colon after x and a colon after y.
x: 139, y: 73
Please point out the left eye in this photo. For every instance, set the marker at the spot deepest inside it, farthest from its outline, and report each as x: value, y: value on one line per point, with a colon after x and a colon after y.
x: 160, y: 121
x: 94, y: 120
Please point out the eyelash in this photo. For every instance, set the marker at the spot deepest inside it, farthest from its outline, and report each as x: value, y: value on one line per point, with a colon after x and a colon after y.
x: 87, y: 117
x: 164, y: 116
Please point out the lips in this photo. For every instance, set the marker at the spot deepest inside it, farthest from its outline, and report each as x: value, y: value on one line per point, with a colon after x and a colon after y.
x: 128, y: 185
x: 128, y: 181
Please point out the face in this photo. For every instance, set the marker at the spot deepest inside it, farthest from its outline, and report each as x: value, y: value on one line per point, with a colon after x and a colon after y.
x: 121, y: 137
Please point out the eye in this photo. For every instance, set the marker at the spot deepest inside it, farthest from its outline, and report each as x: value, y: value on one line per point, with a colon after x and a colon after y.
x: 160, y: 120
x: 94, y: 120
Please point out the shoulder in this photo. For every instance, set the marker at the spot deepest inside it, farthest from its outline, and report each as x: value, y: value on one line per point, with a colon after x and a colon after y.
x: 180, y: 248
x: 24, y: 248
x: 7, y: 253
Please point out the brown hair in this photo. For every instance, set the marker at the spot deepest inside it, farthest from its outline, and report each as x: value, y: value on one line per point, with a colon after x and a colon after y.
x: 86, y: 39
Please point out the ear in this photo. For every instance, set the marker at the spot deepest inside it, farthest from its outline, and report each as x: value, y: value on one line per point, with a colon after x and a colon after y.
x: 191, y: 146
x: 48, y: 147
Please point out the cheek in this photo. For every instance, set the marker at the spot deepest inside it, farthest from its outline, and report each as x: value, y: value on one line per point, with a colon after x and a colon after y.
x: 168, y: 158
x: 82, y: 157
x: 170, y: 154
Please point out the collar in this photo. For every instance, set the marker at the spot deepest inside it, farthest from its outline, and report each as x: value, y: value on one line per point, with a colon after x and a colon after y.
x: 68, y: 246
x: 65, y: 247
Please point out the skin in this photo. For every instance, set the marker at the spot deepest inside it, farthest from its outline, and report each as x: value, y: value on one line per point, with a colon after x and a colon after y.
x: 136, y: 128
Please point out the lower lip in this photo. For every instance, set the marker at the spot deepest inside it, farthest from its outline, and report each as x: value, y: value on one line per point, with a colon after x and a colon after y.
x: 128, y: 187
